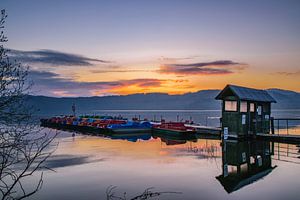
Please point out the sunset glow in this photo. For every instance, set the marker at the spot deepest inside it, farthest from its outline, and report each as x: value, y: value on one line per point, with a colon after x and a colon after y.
x: 141, y: 47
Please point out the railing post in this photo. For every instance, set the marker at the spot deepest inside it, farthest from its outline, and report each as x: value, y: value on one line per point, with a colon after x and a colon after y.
x: 287, y: 126
x: 278, y: 126
x: 272, y: 126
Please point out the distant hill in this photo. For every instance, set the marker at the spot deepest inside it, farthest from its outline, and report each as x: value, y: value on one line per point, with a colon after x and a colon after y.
x: 286, y: 99
x: 160, y: 101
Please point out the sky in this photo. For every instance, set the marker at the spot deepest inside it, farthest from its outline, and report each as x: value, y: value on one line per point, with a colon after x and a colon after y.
x: 117, y: 47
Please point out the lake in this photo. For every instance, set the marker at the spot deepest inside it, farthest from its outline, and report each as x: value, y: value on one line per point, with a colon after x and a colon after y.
x: 194, y: 168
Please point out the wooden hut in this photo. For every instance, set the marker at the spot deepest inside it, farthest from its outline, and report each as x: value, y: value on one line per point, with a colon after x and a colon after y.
x: 245, y: 111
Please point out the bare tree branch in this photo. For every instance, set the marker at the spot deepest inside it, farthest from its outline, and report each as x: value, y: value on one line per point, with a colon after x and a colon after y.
x: 23, y: 146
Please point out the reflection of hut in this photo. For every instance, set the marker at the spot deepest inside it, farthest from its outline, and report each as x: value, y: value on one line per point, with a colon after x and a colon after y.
x: 245, y: 111
x: 244, y: 163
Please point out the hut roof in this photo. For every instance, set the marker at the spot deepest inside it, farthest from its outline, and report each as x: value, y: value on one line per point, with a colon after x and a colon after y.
x: 249, y: 94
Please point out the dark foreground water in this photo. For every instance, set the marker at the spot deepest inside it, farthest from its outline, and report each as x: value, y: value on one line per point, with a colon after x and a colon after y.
x: 198, y: 168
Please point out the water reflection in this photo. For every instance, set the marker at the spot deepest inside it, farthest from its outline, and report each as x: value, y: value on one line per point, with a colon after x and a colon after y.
x: 245, y: 162
x: 58, y: 161
x: 131, y: 137
x: 198, y: 166
x: 173, y: 139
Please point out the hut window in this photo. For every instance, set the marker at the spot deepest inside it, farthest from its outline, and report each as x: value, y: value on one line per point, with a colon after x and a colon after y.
x: 251, y: 107
x: 259, y: 110
x: 231, y: 105
x: 243, y: 106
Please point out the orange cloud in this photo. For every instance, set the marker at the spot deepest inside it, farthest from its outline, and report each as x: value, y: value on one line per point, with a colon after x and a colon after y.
x: 147, y: 86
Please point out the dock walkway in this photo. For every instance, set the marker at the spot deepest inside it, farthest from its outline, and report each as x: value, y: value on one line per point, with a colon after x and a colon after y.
x: 206, y: 129
x: 295, y: 139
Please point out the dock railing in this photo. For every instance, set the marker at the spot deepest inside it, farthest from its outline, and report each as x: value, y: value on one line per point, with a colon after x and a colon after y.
x: 285, y: 126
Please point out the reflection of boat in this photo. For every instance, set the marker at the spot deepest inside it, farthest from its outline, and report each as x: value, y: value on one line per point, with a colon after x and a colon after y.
x: 174, y: 139
x: 173, y: 142
x: 130, y: 127
x: 244, y: 163
x: 174, y: 128
x: 71, y: 127
x: 130, y: 137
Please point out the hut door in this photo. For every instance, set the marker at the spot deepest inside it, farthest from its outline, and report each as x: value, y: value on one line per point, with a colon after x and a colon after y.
x: 256, y: 114
x: 252, y: 118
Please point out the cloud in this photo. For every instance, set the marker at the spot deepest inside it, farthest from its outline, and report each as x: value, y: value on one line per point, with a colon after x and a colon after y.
x: 54, y: 81
x: 214, y: 63
x: 51, y: 57
x: 52, y: 84
x: 102, y: 71
x: 167, y: 59
x: 289, y: 73
x: 220, y: 67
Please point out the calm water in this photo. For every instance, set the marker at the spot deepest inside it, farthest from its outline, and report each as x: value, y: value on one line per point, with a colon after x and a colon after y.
x: 198, y: 168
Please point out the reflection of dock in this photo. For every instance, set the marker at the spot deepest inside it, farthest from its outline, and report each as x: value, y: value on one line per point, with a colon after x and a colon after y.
x: 280, y: 138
